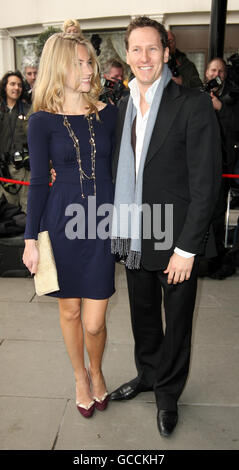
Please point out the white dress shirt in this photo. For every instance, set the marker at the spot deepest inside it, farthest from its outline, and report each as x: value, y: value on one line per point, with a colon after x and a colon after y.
x: 140, y: 128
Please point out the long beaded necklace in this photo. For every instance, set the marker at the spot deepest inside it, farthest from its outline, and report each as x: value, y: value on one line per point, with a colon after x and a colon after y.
x: 83, y: 174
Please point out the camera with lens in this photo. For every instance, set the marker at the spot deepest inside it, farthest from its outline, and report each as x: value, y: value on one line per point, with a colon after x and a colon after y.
x: 211, y: 85
x: 113, y: 91
x: 233, y: 69
x: 20, y: 159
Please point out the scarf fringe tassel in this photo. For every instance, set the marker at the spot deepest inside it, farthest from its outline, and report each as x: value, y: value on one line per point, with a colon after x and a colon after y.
x: 122, y: 247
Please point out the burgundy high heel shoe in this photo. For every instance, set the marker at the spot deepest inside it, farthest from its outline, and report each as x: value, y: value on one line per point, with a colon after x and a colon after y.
x: 86, y: 411
x: 101, y: 404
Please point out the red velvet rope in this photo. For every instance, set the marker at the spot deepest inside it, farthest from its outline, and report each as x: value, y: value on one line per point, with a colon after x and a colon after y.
x: 26, y: 183
x: 228, y: 175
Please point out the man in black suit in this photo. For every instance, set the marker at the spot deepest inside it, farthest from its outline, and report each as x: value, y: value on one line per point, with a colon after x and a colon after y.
x: 181, y: 170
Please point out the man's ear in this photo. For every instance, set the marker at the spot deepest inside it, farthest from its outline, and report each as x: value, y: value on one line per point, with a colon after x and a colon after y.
x: 166, y: 55
x: 127, y: 57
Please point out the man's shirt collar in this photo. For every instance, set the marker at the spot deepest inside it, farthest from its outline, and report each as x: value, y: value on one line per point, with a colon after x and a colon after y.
x: 135, y: 93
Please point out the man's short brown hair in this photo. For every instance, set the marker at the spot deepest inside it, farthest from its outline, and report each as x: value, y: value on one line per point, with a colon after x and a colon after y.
x: 220, y: 60
x: 112, y: 63
x: 142, y: 22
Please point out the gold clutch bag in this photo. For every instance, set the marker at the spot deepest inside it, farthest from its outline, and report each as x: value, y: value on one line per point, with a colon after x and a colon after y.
x: 46, y: 276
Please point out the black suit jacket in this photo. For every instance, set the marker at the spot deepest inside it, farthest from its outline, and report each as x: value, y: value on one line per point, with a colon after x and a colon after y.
x: 182, y: 168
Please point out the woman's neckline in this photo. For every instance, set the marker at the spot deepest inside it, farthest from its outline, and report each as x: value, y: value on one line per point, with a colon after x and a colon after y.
x: 71, y: 115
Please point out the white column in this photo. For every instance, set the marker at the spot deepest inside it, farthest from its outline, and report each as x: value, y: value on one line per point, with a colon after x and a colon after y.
x: 159, y: 17
x: 55, y: 24
x: 7, y: 61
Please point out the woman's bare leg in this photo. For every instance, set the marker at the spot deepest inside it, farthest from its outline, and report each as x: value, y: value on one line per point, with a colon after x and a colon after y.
x: 95, y: 337
x: 71, y: 325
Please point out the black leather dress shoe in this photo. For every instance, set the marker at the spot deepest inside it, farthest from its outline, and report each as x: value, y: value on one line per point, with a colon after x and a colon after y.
x: 129, y: 390
x: 167, y: 421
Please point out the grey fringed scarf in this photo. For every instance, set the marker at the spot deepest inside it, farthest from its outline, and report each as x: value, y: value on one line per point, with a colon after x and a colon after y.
x: 126, y: 224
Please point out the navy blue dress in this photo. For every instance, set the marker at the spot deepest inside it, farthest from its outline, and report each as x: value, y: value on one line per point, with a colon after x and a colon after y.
x: 84, y: 263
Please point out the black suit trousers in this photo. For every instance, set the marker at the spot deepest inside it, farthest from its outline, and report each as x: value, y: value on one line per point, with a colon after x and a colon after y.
x: 162, y: 348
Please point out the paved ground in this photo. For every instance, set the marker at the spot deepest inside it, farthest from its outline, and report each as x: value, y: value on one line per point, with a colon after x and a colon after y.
x: 37, y: 404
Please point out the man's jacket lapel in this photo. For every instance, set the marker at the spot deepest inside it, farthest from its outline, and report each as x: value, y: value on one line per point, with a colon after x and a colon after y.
x: 167, y: 112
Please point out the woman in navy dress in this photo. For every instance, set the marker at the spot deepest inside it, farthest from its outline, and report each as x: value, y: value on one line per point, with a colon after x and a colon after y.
x: 75, y: 131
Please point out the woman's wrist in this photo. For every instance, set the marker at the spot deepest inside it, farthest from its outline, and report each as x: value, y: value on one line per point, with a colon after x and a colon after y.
x: 30, y: 242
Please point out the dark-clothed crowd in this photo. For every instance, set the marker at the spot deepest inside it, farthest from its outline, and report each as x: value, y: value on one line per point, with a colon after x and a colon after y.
x: 14, y: 158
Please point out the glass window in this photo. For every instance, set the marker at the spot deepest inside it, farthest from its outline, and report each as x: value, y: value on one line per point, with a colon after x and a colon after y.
x: 198, y: 58
x: 25, y: 47
x: 112, y: 46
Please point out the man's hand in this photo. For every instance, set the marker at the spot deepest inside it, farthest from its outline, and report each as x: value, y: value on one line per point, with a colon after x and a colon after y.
x: 179, y: 268
x: 53, y: 175
x: 178, y: 80
x: 217, y: 104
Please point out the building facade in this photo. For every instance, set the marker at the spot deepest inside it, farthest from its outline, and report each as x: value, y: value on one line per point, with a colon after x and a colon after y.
x: 22, y: 22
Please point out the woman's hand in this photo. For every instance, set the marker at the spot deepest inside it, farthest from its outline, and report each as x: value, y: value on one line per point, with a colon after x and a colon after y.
x: 31, y: 256
x: 53, y: 175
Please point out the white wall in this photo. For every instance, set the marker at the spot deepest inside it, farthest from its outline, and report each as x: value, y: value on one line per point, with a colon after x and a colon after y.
x: 28, y: 17
x: 24, y: 12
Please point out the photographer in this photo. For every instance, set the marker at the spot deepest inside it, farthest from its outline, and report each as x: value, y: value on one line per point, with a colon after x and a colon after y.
x: 183, y: 70
x: 14, y: 159
x: 225, y: 100
x: 29, y: 67
x: 114, y: 88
